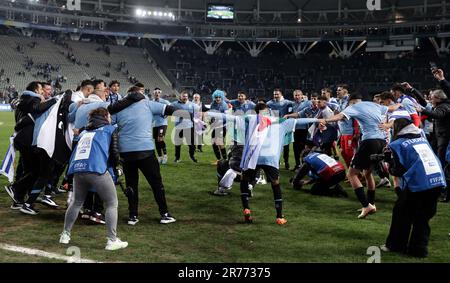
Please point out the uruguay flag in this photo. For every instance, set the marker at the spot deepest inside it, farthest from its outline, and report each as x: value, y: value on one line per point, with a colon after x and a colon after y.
x: 7, y: 168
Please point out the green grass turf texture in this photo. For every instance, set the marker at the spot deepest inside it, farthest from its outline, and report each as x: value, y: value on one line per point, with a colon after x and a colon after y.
x: 211, y: 229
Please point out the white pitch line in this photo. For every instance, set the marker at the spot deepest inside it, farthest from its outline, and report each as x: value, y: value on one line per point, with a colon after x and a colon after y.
x: 35, y: 252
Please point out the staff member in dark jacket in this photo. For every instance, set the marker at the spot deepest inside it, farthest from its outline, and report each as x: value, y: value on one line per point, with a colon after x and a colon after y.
x: 422, y: 178
x: 441, y: 126
x: 94, y: 159
x: 29, y: 107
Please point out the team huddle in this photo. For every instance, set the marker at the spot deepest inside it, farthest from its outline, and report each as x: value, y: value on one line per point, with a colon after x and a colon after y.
x: 93, y: 136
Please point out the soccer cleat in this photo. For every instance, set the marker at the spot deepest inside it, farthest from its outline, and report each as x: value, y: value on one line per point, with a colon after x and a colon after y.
x: 281, y: 221
x: 86, y: 214
x: 166, y: 218
x: 47, y: 200
x: 177, y: 160
x: 193, y: 159
x: 164, y: 160
x: 16, y: 206
x: 248, y: 216
x: 116, y: 244
x: 28, y: 209
x: 133, y: 220
x: 64, y: 188
x: 215, y: 162
x: 97, y: 218
x: 221, y: 191
x: 384, y: 182
x: 64, y: 238
x: 11, y: 192
x: 370, y: 209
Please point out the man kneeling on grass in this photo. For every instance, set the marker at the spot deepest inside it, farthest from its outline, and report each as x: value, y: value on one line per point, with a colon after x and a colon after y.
x: 326, y: 173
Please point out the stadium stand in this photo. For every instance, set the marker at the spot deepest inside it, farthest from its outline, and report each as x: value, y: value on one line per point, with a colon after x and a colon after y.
x: 26, y: 59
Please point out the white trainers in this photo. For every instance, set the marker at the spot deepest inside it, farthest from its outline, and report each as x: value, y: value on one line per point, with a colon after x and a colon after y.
x: 221, y: 191
x: 384, y: 248
x: 117, y: 244
x: 164, y: 160
x: 261, y: 180
x: 64, y: 238
x: 384, y: 182
x: 367, y: 210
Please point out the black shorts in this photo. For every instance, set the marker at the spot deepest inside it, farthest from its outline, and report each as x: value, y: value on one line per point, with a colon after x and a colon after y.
x: 159, y: 132
x: 366, y: 148
x: 271, y: 172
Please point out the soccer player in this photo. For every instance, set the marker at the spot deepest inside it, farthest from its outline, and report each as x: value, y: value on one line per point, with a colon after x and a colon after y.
x: 326, y: 173
x: 184, y: 125
x: 373, y: 141
x: 301, y: 131
x: 113, y: 95
x: 160, y: 128
x: 281, y: 107
x: 262, y: 150
x: 349, y: 129
x: 407, y: 102
x: 219, y: 126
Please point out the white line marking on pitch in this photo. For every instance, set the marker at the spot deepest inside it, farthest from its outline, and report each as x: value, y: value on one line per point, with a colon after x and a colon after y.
x: 35, y: 252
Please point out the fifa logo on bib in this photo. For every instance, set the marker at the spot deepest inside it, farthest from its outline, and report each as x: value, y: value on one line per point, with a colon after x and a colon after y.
x: 373, y: 5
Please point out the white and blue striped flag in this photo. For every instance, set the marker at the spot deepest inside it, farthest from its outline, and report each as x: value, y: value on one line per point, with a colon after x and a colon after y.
x: 7, y: 168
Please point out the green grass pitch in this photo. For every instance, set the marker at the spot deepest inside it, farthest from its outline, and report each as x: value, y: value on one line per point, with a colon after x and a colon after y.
x: 211, y: 229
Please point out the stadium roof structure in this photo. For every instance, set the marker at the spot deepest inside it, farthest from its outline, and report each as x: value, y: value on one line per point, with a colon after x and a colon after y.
x: 299, y: 24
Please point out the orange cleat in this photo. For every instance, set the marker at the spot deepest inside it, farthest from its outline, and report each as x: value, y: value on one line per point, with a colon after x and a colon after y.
x: 281, y: 221
x: 247, y: 216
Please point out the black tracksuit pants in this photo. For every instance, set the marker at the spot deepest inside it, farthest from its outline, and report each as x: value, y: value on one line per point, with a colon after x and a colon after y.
x: 412, y: 210
x: 149, y: 166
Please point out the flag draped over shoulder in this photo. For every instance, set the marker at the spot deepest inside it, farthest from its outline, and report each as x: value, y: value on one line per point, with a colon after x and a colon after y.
x: 51, y: 132
x: 258, y: 127
x: 7, y: 168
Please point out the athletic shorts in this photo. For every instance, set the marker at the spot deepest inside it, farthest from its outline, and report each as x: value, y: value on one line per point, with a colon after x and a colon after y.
x: 272, y: 173
x: 159, y: 133
x: 366, y: 148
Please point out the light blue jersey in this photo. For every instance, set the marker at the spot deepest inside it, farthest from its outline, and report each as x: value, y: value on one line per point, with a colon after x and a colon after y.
x: 280, y: 108
x: 408, y: 103
x: 185, y: 114
x: 369, y: 116
x: 298, y: 107
x: 160, y: 120
x: 345, y: 126
x: 135, y: 125
x: 242, y: 107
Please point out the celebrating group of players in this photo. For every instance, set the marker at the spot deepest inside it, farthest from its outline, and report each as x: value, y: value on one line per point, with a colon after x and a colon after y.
x: 97, y: 134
